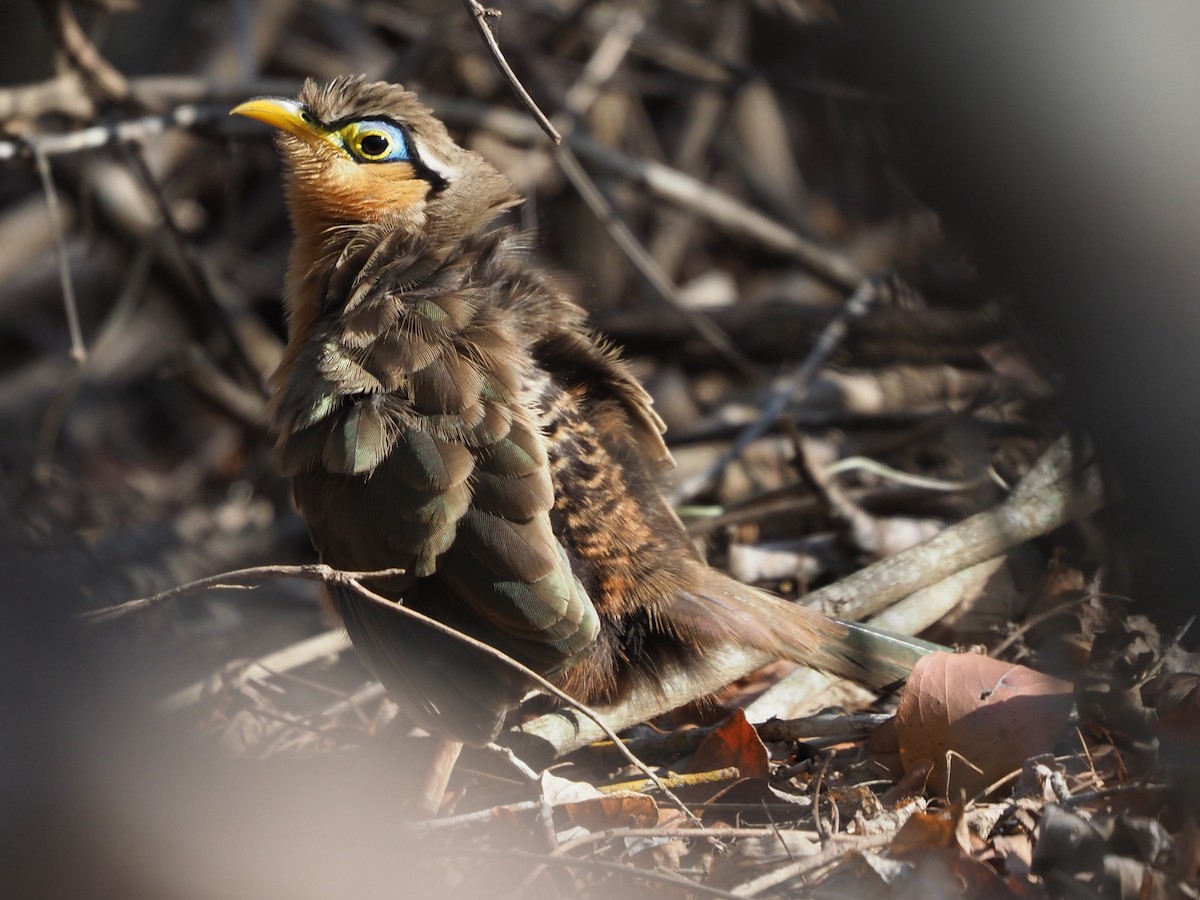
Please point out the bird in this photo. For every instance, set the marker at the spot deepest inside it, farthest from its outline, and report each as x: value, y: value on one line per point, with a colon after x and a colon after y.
x: 443, y: 407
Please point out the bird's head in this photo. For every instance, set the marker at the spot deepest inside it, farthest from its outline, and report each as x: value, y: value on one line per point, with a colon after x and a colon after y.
x: 364, y: 152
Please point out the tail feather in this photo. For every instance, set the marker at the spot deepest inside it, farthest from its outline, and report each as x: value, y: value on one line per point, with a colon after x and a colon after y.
x: 729, y: 611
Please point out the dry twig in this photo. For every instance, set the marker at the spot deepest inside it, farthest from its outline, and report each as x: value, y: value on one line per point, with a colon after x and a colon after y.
x: 479, y: 14
x: 1049, y: 496
x: 353, y: 581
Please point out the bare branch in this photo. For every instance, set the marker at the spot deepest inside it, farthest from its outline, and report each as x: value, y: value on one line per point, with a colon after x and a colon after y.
x: 82, y: 53
x: 63, y: 95
x: 353, y: 581
x: 541, y: 682
x: 646, y: 265
x: 78, y: 350
x: 1050, y: 496
x: 790, y: 389
x: 314, y: 572
x: 96, y: 136
x: 480, y: 13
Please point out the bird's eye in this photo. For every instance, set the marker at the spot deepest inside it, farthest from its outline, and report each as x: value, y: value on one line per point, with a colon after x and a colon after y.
x: 373, y: 145
x: 375, y: 141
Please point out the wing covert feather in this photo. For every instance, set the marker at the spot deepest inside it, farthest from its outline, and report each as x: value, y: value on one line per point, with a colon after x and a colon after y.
x: 420, y: 448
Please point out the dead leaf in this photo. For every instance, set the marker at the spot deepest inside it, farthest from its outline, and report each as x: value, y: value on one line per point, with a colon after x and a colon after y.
x: 734, y: 744
x: 588, y: 808
x: 747, y: 858
x: 559, y: 791
x: 987, y: 715
x: 944, y: 872
x: 1069, y: 842
x: 883, y: 741
x: 624, y: 809
x: 929, y: 831
x: 912, y: 784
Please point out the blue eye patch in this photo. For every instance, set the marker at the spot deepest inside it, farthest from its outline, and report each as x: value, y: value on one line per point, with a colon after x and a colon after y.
x: 376, y: 140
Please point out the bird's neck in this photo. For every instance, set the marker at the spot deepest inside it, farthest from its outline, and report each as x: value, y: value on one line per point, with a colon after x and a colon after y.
x: 323, y: 228
x: 321, y: 244
x: 302, y: 303
x: 316, y: 239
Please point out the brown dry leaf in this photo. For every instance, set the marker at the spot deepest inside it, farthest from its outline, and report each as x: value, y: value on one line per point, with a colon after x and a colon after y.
x: 624, y: 809
x: 937, y: 848
x: 951, y: 873
x: 931, y: 873
x: 936, y: 830
x: 883, y: 749
x: 911, y: 784
x: 734, y: 744
x: 987, y: 714
x: 590, y: 809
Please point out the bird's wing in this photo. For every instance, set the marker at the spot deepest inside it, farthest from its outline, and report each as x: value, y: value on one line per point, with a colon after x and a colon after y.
x: 582, y: 362
x: 415, y: 443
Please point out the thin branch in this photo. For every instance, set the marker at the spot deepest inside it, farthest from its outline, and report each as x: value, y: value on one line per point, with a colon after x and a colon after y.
x: 671, y: 745
x: 672, y: 185
x: 62, y: 95
x: 789, y: 390
x: 866, y: 464
x: 313, y: 572
x: 674, y: 779
x: 1034, y: 621
x: 196, y: 269
x: 183, y: 262
x: 241, y: 404
x: 540, y: 681
x: 1050, y: 495
x: 603, y: 64
x: 776, y: 877
x: 692, y: 887
x: 664, y: 182
x: 353, y: 581
x: 838, y: 726
x: 823, y: 833
x: 142, y: 128
x: 645, y: 264
x: 480, y: 13
x: 319, y: 646
x: 118, y: 318
x: 82, y: 53
x: 601, y: 67
x: 78, y: 350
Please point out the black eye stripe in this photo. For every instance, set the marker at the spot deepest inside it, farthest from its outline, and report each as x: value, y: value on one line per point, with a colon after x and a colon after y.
x: 338, y: 124
x: 437, y: 182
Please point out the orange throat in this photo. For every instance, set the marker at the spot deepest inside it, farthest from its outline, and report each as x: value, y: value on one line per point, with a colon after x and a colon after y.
x: 327, y: 200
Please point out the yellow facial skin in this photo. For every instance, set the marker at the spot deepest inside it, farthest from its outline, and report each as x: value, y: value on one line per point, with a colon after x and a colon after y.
x: 331, y: 186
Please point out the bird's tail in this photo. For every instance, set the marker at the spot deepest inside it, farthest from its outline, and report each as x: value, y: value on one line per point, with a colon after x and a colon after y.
x: 726, y: 610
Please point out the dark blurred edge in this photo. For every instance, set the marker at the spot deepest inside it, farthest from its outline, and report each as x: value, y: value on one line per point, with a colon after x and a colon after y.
x: 1060, y: 138
x: 101, y: 797
x: 1063, y: 141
